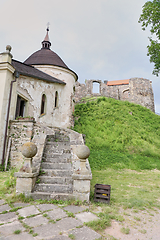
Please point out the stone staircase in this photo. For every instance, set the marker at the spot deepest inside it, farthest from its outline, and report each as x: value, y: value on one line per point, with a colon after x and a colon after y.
x: 55, y: 179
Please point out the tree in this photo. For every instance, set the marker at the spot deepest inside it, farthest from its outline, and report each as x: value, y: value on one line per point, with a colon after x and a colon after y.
x: 151, y: 17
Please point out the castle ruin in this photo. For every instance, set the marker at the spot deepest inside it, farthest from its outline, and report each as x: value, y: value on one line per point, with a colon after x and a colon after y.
x: 134, y: 90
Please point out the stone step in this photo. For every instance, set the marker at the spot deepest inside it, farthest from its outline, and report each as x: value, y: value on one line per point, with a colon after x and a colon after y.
x: 47, y: 165
x: 56, y: 160
x: 58, y: 139
x: 56, y: 180
x: 57, y: 150
x: 56, y: 144
x: 56, y: 173
x: 57, y: 155
x: 52, y: 155
x: 51, y: 196
x: 56, y: 188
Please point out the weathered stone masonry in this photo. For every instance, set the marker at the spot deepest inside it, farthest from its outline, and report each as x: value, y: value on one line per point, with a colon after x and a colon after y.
x: 135, y: 90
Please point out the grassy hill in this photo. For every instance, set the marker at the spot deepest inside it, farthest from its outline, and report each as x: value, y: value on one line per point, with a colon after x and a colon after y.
x: 119, y: 134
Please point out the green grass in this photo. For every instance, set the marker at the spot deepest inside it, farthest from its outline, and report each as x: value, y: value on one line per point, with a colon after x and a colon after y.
x: 71, y: 236
x: 70, y: 214
x: 7, y: 183
x: 8, y: 188
x: 116, y: 138
x: 100, y: 224
x: 17, y: 231
x: 129, y: 188
x: 125, y: 230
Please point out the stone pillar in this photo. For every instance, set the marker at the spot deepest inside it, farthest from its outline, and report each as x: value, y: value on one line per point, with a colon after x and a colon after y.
x: 82, y: 177
x: 25, y: 182
x: 26, y: 177
x: 81, y: 186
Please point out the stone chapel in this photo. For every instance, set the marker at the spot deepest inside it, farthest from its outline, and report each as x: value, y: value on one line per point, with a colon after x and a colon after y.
x: 43, y: 89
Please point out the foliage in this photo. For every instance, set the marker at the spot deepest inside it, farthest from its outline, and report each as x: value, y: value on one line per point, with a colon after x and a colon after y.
x: 150, y: 17
x: 119, y: 134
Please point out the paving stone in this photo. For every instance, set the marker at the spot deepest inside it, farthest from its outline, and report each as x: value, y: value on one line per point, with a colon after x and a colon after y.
x: 45, y: 207
x: 86, y: 217
x: 47, y: 231
x: 5, y: 207
x: 27, y: 211
x: 9, y: 228
x: 21, y: 204
x: 66, y: 224
x: 8, y: 217
x: 74, y: 209
x: 21, y: 236
x: 85, y: 233
x: 35, y: 221
x: 2, y: 201
x: 57, y: 214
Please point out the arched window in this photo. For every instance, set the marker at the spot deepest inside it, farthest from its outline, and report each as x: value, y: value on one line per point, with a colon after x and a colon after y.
x: 56, y: 100
x: 126, y: 93
x: 43, y: 104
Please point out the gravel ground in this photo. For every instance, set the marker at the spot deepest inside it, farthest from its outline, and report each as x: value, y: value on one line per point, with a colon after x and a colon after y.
x: 142, y: 225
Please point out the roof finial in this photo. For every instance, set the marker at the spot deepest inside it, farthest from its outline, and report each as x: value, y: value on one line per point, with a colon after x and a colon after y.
x: 48, y: 26
x: 46, y: 43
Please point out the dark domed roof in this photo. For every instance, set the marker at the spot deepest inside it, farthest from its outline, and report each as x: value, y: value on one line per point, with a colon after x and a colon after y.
x: 45, y: 56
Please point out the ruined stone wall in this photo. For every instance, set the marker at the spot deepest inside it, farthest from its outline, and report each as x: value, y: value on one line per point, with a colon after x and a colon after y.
x: 141, y: 92
x: 138, y: 91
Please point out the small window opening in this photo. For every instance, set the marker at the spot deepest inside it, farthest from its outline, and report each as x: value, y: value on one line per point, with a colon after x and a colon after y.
x: 43, y: 102
x: 126, y: 93
x: 56, y: 99
x: 96, y: 87
x: 20, y: 107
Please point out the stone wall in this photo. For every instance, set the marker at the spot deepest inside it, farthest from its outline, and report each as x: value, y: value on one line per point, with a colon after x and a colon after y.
x: 138, y: 91
x: 21, y: 131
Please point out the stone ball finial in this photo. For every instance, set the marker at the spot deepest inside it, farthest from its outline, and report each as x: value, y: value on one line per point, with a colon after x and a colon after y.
x: 29, y: 149
x: 8, y: 48
x: 82, y: 152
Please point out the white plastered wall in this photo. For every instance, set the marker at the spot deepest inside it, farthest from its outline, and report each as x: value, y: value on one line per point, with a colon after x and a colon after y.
x: 66, y: 95
x: 33, y: 89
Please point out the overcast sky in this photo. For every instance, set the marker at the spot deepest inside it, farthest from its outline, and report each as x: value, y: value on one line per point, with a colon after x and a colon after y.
x: 98, y: 39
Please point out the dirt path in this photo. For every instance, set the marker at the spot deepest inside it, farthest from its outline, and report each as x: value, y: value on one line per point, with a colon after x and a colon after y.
x: 141, y: 225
